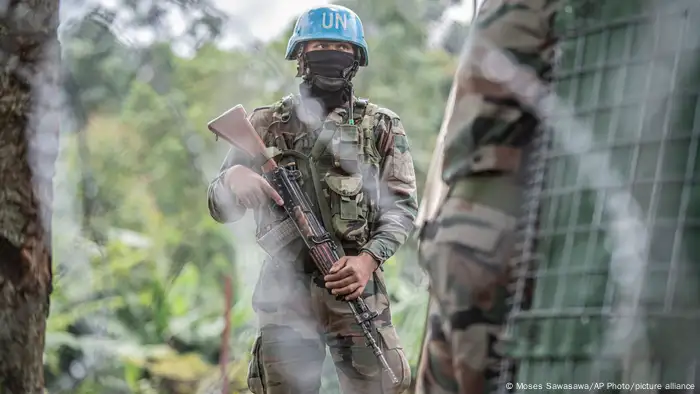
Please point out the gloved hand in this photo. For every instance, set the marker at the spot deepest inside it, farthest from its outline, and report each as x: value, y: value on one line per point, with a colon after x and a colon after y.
x: 251, y: 189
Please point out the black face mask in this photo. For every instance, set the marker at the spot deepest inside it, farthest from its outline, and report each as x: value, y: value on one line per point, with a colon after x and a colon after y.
x: 328, y: 77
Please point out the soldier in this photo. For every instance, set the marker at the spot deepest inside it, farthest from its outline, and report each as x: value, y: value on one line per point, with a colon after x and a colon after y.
x: 355, y: 163
x: 472, y: 194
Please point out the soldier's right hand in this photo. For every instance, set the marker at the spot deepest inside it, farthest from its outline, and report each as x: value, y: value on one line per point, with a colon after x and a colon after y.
x: 251, y: 189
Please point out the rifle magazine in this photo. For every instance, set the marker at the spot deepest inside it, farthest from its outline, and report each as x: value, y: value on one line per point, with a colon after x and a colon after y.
x: 278, y: 237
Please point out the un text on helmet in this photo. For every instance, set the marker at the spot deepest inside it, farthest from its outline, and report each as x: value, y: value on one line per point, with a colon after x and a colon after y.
x: 330, y: 17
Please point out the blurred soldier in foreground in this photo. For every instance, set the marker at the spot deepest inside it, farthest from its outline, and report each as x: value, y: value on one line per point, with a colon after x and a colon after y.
x: 363, y: 188
x: 472, y: 197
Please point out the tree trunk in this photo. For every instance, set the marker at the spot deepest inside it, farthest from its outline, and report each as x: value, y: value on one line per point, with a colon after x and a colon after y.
x: 29, y: 116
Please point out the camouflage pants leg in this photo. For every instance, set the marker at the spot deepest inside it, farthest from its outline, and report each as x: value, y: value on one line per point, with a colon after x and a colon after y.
x: 298, y: 317
x: 289, y: 351
x: 465, y: 251
x: 358, y: 370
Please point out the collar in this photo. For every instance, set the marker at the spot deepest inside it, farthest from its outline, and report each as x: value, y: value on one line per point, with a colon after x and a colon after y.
x: 309, y: 112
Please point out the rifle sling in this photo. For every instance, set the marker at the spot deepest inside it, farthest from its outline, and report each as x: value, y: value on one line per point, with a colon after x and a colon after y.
x: 319, y: 146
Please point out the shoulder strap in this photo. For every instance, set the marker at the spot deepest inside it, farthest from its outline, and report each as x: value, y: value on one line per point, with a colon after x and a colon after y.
x: 367, y: 130
x: 368, y: 115
x: 360, y: 108
x: 321, y: 143
x: 281, y: 113
x: 261, y: 108
x: 284, y: 109
x: 323, y: 207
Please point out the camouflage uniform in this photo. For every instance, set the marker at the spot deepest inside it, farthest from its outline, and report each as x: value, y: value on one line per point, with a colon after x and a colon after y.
x: 373, y: 212
x: 473, y: 193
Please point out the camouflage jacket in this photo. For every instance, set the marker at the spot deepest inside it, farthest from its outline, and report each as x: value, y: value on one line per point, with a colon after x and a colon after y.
x: 504, y: 72
x: 386, y: 197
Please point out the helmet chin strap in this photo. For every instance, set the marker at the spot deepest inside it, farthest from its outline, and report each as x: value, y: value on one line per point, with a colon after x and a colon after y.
x: 301, y: 66
x: 350, y: 72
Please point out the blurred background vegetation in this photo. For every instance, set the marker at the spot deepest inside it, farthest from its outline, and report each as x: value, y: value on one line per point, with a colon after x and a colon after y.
x: 138, y: 305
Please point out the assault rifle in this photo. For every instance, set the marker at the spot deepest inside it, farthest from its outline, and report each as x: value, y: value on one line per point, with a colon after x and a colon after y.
x: 234, y: 127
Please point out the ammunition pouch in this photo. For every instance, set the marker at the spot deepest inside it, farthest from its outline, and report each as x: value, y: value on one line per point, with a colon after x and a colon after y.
x: 349, y: 209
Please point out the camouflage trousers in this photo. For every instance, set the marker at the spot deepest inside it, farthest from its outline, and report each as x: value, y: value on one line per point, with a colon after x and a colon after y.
x: 466, y: 252
x: 298, y: 317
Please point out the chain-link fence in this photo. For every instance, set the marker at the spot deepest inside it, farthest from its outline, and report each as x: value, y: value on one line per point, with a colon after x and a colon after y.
x: 608, y: 291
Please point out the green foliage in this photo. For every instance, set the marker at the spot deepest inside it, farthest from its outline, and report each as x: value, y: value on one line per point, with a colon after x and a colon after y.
x: 139, y: 300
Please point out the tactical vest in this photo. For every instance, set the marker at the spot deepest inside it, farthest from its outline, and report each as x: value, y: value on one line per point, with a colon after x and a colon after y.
x: 339, y: 163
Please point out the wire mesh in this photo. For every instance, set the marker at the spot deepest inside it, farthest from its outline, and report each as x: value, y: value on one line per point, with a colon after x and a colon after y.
x: 614, y: 255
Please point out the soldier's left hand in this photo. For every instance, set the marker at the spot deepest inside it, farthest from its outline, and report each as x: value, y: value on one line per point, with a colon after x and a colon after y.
x: 349, y: 275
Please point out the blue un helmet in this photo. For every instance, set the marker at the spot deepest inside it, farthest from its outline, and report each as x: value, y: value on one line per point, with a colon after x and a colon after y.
x: 328, y: 23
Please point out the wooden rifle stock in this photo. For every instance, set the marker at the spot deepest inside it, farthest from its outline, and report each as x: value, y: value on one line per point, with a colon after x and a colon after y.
x: 234, y: 126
